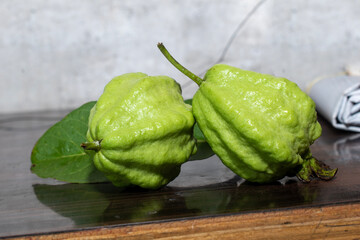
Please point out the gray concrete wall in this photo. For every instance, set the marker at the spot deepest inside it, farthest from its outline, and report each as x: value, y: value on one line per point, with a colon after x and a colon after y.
x: 59, y: 54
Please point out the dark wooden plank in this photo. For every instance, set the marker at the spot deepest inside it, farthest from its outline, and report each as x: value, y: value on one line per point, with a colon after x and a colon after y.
x: 327, y: 222
x: 30, y: 205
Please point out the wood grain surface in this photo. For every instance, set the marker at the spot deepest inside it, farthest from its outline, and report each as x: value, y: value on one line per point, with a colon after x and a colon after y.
x: 206, y: 201
x: 328, y: 222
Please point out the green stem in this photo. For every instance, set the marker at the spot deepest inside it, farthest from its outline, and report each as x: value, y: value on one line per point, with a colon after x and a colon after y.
x: 95, y: 146
x: 315, y: 168
x: 176, y: 64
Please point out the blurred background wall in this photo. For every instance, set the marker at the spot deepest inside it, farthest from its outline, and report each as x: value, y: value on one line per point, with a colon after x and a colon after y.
x: 59, y: 54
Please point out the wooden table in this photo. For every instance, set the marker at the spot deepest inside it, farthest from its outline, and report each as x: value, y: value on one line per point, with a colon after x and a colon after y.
x: 207, y: 201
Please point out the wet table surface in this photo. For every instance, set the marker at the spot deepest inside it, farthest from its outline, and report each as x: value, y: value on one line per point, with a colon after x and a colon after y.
x: 31, y: 206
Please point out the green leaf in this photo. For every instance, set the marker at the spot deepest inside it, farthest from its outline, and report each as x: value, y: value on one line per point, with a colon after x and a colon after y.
x: 188, y: 101
x: 203, y: 148
x: 58, y: 154
x: 198, y: 134
x: 204, y: 151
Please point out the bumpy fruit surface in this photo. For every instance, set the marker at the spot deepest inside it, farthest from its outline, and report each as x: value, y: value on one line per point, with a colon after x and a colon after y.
x: 141, y: 130
x: 260, y: 126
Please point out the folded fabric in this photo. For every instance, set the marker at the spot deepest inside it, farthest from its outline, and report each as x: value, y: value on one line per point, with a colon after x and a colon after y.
x: 338, y: 100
